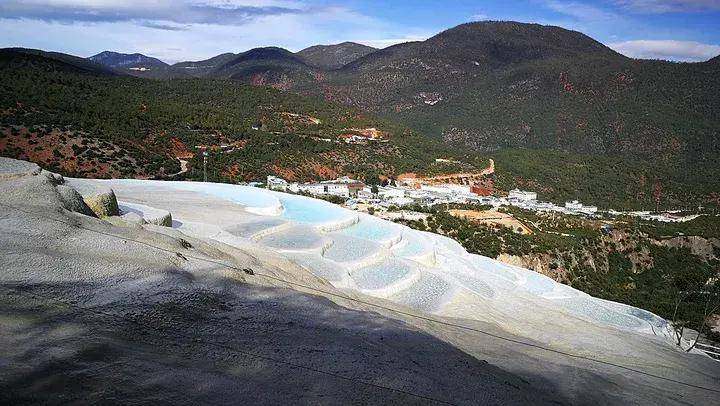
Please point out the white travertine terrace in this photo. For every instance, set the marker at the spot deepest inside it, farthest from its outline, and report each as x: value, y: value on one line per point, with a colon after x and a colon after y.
x: 351, y: 250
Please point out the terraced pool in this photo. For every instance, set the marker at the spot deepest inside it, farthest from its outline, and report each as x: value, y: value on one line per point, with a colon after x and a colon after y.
x: 417, y: 269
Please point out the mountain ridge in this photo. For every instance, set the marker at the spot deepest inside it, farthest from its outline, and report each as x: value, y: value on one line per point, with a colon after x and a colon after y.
x: 490, y: 87
x: 334, y: 56
x: 62, y: 61
x: 122, y: 60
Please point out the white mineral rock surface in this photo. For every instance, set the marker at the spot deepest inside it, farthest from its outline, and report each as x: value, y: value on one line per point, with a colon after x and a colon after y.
x: 351, y: 250
x: 104, y: 310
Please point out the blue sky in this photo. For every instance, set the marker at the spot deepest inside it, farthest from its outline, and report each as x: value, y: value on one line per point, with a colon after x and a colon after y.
x: 175, y: 30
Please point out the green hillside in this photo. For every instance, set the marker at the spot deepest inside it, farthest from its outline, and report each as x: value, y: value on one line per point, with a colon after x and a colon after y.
x: 83, y: 119
x: 250, y: 131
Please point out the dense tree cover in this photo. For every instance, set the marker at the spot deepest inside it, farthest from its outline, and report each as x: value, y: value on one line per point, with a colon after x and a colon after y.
x: 610, y: 182
x: 334, y: 56
x: 707, y: 226
x: 145, y: 116
x: 498, y: 85
x: 142, y: 118
x: 676, y: 274
x: 612, y: 122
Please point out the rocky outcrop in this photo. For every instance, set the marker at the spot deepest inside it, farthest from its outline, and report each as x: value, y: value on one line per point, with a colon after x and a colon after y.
x: 12, y: 168
x: 100, y: 199
x: 103, y: 204
x: 141, y: 214
x: 73, y: 201
x: 702, y: 247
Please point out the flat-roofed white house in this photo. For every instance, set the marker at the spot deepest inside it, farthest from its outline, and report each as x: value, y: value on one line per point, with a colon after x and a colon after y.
x: 344, y: 187
x: 391, y: 192
x: 365, y: 193
x: 574, y: 205
x: 313, y: 188
x: 275, y: 183
x: 337, y: 189
x: 522, y: 195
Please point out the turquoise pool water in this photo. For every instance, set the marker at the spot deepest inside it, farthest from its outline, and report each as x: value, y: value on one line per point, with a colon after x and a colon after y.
x: 414, y: 246
x: 312, y: 211
x: 298, y: 238
x: 587, y: 306
x: 295, y: 208
x: 373, y: 230
x: 245, y: 195
x: 381, y: 275
x: 349, y: 249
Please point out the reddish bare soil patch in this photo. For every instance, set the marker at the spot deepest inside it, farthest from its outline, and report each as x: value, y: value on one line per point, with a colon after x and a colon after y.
x: 69, y: 152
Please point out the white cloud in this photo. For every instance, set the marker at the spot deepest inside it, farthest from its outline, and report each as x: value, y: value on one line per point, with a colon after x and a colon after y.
x: 669, y: 6
x: 173, y: 42
x: 230, y: 4
x: 582, y: 11
x: 688, y: 51
x: 226, y: 12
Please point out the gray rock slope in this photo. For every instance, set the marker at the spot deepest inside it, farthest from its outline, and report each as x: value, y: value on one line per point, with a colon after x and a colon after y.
x: 91, y: 312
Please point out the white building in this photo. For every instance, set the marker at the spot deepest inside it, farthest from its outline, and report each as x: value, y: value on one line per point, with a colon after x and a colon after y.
x: 313, y: 188
x: 578, y: 207
x: 400, y: 201
x: 574, y: 205
x: 390, y: 192
x: 365, y: 193
x: 343, y: 187
x: 275, y: 183
x: 337, y: 189
x: 446, y: 189
x: 522, y: 195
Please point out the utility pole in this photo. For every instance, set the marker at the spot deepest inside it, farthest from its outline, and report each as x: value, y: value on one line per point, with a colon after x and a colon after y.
x: 205, y: 155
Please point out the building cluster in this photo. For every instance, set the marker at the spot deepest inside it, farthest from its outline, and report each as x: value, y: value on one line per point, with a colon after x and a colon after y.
x: 361, y: 135
x: 528, y: 200
x: 668, y: 217
x: 362, y: 197
x: 432, y: 195
x: 342, y: 187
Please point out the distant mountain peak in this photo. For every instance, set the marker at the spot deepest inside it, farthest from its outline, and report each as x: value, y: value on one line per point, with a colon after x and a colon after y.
x: 58, y: 61
x: 129, y: 61
x: 265, y: 54
x: 509, y: 41
x: 334, y: 56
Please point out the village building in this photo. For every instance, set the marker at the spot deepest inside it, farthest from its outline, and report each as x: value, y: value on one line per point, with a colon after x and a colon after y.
x: 522, y: 195
x: 343, y: 187
x: 275, y: 183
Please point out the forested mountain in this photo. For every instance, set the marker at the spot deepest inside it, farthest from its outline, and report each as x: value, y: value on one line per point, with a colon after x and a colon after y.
x: 500, y: 85
x: 55, y: 61
x: 119, y: 60
x: 82, y: 122
x: 201, y: 68
x: 559, y: 112
x: 494, y: 85
x: 276, y: 67
x: 133, y: 64
x: 334, y: 56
